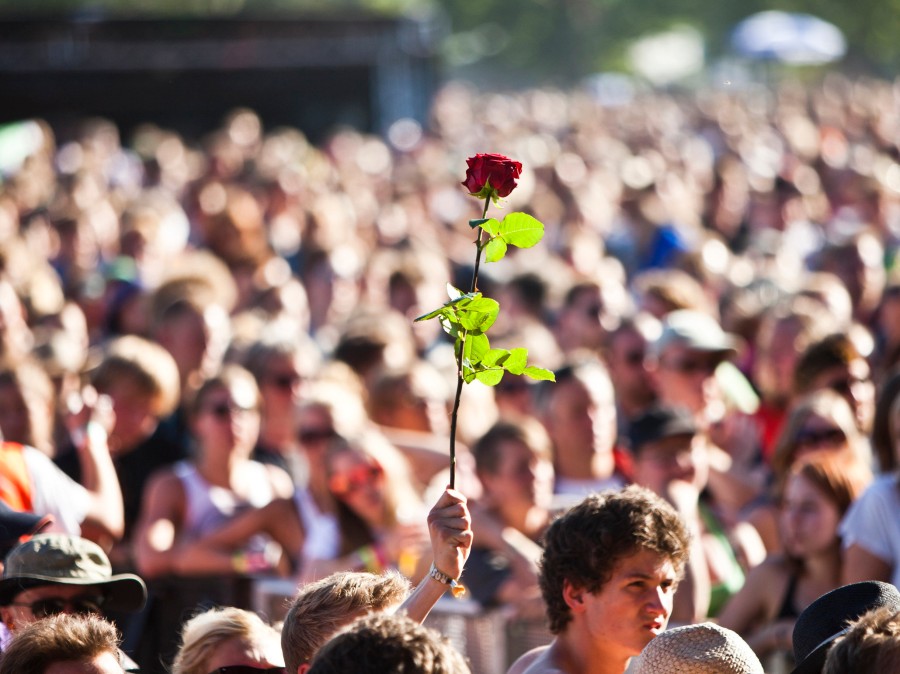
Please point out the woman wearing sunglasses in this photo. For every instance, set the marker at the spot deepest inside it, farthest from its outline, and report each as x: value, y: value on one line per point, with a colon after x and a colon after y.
x: 229, y: 641
x: 820, y: 422
x: 193, y: 498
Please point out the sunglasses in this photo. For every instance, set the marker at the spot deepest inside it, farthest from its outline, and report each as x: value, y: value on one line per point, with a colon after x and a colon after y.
x: 342, y: 484
x: 285, y: 382
x: 691, y: 366
x: 634, y: 358
x: 309, y: 436
x: 247, y: 669
x: 226, y: 410
x: 815, y: 438
x: 83, y: 605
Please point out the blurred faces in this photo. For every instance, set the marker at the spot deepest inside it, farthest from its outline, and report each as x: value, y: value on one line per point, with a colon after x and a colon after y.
x: 134, y: 418
x: 523, y: 477
x: 809, y: 519
x: 228, y: 418
x: 45, y: 600
x: 686, y: 377
x: 854, y: 382
x: 357, y: 481
x: 625, y: 362
x: 262, y: 655
x: 581, y: 422
x: 679, y: 458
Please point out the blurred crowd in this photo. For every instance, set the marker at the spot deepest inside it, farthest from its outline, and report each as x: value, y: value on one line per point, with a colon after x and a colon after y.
x: 209, y: 354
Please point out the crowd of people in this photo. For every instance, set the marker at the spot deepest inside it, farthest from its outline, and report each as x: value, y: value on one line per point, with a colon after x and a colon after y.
x: 209, y: 368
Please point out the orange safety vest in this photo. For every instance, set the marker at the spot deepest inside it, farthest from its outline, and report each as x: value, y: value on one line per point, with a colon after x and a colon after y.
x: 15, y: 483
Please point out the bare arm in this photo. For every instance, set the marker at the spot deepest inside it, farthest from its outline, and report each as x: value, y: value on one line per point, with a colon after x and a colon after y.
x: 105, y: 514
x: 860, y: 564
x: 450, y: 528
x: 215, y: 553
x: 158, y: 526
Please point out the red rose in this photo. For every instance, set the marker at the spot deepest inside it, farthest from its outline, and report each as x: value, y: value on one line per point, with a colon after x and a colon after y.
x: 489, y: 173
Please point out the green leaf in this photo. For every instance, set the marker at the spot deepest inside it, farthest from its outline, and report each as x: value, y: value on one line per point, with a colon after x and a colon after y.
x: 457, y: 301
x: 469, y: 374
x: 495, y: 250
x: 518, y: 359
x: 490, y: 377
x: 539, y: 373
x: 479, y: 314
x: 453, y: 292
x: 490, y: 225
x: 476, y: 346
x: 495, y: 357
x: 521, y: 230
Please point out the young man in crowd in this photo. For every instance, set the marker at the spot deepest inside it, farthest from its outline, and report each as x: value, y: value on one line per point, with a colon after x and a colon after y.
x: 609, y: 572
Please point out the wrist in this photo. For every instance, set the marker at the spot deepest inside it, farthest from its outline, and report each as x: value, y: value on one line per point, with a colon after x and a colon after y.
x: 453, y: 583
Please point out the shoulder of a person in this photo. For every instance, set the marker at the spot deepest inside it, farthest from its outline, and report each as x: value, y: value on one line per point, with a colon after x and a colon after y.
x: 536, y: 661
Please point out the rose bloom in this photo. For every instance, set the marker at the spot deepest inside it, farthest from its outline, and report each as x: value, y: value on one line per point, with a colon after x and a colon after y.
x: 495, y: 171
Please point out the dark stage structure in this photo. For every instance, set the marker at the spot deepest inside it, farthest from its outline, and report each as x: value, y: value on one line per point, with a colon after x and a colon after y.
x: 311, y: 73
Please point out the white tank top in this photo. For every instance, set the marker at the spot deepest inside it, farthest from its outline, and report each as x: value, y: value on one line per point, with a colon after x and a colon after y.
x: 322, y: 534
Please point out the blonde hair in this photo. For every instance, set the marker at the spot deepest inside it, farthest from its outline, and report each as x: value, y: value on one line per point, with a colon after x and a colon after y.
x: 205, y: 632
x: 322, y: 608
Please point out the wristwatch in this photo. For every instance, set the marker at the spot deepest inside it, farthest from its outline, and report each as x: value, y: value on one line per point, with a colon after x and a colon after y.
x: 455, y: 586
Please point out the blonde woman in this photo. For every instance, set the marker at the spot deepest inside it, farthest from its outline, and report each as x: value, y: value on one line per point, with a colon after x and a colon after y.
x: 228, y: 640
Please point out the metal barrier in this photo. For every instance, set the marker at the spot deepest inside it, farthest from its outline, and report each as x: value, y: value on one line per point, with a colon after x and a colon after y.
x: 490, y: 639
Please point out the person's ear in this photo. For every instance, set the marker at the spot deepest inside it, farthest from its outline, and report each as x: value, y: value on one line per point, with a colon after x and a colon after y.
x: 302, y: 669
x: 573, y: 596
x: 6, y: 615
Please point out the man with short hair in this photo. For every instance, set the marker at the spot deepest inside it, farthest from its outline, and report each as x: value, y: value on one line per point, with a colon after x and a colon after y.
x: 56, y: 573
x: 872, y: 644
x: 321, y: 609
x: 609, y: 572
x: 65, y: 644
x: 388, y: 643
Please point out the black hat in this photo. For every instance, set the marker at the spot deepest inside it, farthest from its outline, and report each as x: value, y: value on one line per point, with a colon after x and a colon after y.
x: 827, y: 618
x: 658, y: 423
x: 15, y: 524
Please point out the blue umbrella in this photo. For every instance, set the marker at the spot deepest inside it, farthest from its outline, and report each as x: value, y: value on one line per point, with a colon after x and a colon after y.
x: 800, y: 39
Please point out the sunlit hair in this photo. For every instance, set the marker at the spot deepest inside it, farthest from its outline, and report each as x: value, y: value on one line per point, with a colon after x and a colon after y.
x: 321, y: 608
x: 828, y: 405
x: 389, y: 643
x: 834, y: 350
x: 839, y: 476
x: 487, y: 449
x: 584, y: 546
x: 203, y: 634
x: 230, y: 375
x: 64, y: 637
x: 872, y: 644
x: 145, y: 364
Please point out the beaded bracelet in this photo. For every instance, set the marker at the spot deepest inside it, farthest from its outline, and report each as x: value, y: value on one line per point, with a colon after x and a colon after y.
x: 456, y: 587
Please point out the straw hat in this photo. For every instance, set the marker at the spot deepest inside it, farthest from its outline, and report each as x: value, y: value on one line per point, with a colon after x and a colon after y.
x: 705, y: 648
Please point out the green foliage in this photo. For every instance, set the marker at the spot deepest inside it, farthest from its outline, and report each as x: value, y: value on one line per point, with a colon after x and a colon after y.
x: 468, y: 316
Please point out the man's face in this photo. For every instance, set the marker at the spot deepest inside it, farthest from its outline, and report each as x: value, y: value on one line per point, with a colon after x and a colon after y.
x: 685, y: 377
x: 679, y: 458
x: 854, y: 382
x: 523, y: 478
x: 581, y: 420
x: 632, y: 607
x: 626, y: 368
x: 39, y: 602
